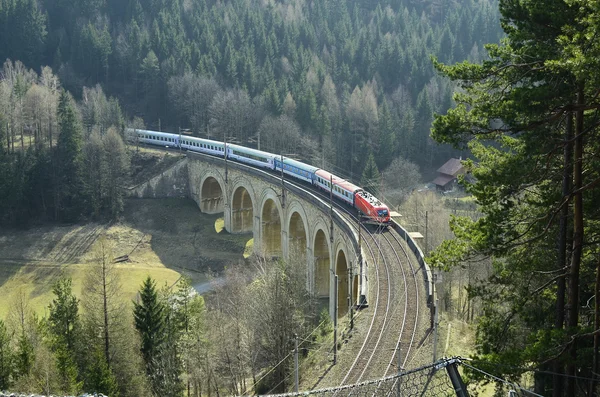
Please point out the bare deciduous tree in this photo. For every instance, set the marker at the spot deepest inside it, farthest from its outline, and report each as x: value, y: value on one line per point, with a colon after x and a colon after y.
x: 400, y: 178
x: 108, y: 323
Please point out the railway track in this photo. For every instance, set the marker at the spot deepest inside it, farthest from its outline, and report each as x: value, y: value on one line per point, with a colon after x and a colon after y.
x: 394, y: 309
x: 391, y: 337
x: 393, y: 314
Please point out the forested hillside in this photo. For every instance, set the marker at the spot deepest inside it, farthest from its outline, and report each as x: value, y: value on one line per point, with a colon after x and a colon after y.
x: 353, y: 76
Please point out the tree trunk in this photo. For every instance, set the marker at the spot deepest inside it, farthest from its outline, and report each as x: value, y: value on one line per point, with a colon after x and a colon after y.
x: 105, y: 309
x: 557, y: 384
x: 573, y: 299
x: 596, y: 363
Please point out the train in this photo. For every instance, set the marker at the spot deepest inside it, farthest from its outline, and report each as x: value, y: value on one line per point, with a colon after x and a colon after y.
x: 372, y: 209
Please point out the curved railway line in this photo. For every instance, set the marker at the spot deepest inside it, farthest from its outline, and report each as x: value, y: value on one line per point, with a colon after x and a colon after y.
x: 389, y: 339
x: 395, y: 312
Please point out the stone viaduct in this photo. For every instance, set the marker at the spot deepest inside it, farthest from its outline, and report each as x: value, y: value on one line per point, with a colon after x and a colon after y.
x: 293, y: 224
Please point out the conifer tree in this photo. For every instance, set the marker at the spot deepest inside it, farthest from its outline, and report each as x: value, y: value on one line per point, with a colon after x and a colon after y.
x: 6, y: 358
x: 64, y: 314
x: 150, y: 321
x: 69, y: 186
x: 99, y: 376
x: 535, y: 99
x: 64, y: 326
x: 371, y: 178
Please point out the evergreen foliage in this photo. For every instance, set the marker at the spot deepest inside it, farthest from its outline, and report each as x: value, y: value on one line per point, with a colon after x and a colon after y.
x: 99, y: 376
x: 316, y: 52
x: 6, y: 358
x: 63, y: 319
x: 151, y: 322
x: 64, y: 326
x: 69, y: 187
x: 371, y: 178
x: 529, y: 115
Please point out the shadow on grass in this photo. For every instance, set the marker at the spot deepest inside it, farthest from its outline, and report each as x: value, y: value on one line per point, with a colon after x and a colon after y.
x: 182, y: 236
x: 39, y: 254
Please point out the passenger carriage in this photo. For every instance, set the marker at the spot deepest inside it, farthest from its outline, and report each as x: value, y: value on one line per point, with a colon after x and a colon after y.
x: 373, y: 209
x: 296, y: 169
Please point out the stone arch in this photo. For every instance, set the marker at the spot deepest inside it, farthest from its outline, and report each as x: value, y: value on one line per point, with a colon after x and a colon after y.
x: 322, y: 263
x: 270, y: 216
x: 297, y: 227
x: 242, y: 209
x: 341, y: 270
x: 211, y: 195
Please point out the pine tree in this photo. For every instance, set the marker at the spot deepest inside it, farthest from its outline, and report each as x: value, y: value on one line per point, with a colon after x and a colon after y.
x: 24, y: 355
x: 99, y: 376
x: 387, y: 136
x: 64, y: 326
x: 64, y: 314
x: 150, y: 321
x: 6, y: 358
x: 532, y: 129
x: 69, y: 186
x: 371, y: 178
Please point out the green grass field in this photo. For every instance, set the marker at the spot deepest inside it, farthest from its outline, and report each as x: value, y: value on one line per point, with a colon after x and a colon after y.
x: 163, y: 238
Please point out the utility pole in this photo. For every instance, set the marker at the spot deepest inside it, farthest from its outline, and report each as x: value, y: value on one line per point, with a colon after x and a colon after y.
x: 399, y: 380
x: 457, y: 382
x: 282, y: 185
x: 225, y: 157
x: 360, y: 260
x: 296, y: 361
x: 331, y: 209
x: 350, y: 299
x: 335, y: 312
x: 180, y: 140
x: 435, y: 319
x: 426, y: 236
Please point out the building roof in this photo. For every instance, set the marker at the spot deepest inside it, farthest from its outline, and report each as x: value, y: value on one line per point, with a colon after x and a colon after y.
x: 451, y: 167
x: 442, y: 180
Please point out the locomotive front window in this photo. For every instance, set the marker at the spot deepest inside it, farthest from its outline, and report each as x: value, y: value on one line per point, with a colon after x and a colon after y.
x: 382, y: 212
